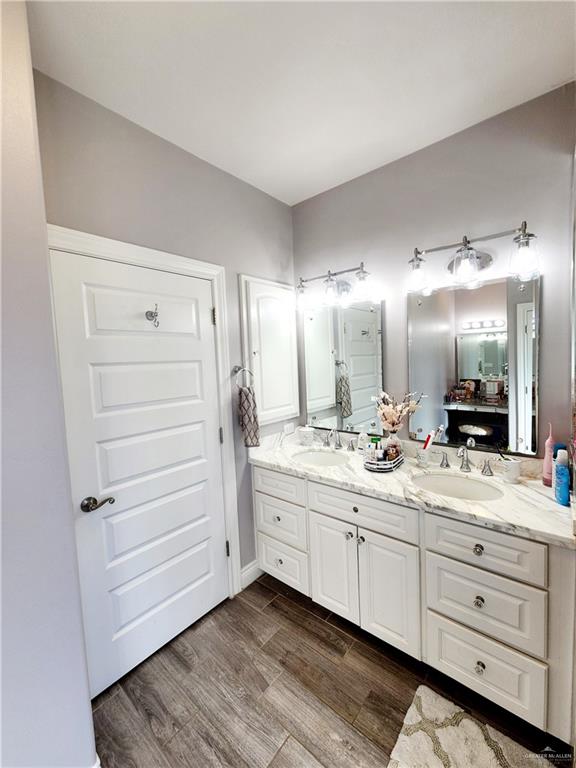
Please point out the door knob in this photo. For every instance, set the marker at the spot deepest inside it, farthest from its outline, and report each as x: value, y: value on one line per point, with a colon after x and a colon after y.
x: 90, y: 503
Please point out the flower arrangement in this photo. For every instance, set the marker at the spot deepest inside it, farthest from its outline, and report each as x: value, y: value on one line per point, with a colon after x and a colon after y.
x: 393, y: 412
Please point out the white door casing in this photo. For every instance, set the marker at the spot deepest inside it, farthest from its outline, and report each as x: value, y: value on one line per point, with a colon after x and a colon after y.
x: 142, y: 426
x: 270, y: 348
x: 334, y: 565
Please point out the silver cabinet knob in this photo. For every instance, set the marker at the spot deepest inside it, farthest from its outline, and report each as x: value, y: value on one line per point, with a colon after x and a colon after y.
x: 349, y: 535
x: 480, y: 668
x: 478, y: 549
x: 279, y: 561
x: 360, y: 540
x: 277, y: 518
x: 479, y: 602
x: 354, y: 509
x: 91, y: 503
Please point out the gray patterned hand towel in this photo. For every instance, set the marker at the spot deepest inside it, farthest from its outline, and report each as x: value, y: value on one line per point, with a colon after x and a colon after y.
x: 343, y: 396
x: 248, y: 417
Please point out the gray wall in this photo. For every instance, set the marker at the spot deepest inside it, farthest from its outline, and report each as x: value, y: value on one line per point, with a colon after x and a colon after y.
x: 46, y: 715
x: 517, y: 165
x: 105, y: 175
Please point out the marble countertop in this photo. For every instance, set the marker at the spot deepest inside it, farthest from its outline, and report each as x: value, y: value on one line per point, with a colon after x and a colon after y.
x: 527, y: 509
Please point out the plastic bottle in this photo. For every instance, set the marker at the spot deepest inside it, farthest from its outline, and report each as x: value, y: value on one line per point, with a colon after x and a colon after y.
x: 562, y: 478
x: 547, y: 465
x: 557, y: 447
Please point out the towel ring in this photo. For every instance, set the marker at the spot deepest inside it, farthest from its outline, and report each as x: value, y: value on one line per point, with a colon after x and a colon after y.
x: 238, y: 369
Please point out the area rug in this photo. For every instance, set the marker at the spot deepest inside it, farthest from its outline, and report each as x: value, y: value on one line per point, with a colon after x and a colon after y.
x: 438, y: 734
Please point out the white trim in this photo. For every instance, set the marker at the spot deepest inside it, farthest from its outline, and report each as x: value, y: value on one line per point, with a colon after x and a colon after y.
x: 72, y: 241
x: 244, y: 282
x: 97, y: 764
x: 250, y: 573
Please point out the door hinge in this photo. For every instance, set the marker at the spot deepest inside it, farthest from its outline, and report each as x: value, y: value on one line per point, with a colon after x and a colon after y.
x: 227, y: 548
x: 213, y: 315
x: 221, y: 433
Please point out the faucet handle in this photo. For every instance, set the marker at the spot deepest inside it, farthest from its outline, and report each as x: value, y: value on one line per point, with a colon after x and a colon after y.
x: 326, y: 441
x: 444, y: 463
x: 487, y: 468
x: 337, y: 440
x: 471, y: 443
x: 351, y: 444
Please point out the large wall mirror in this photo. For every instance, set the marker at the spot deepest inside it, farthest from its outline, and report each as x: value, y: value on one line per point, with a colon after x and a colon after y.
x: 343, y: 365
x: 474, y: 353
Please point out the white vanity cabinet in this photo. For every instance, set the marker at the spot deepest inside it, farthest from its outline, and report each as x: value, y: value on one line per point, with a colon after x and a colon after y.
x: 493, y: 610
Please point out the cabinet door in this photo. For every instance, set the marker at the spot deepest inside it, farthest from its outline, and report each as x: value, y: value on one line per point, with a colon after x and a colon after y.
x: 269, y: 339
x: 390, y: 590
x: 334, y: 565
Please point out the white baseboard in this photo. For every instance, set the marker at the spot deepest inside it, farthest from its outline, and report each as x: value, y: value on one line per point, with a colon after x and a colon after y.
x: 250, y: 573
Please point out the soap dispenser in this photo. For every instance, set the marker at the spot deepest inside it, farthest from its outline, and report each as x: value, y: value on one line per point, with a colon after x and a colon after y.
x: 548, y: 458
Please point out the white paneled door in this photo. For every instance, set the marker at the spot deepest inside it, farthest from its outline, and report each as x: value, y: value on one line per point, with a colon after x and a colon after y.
x: 142, y: 422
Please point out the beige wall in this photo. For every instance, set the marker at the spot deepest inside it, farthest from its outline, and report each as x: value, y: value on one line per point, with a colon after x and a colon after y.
x: 106, y: 175
x: 46, y: 714
x: 515, y: 166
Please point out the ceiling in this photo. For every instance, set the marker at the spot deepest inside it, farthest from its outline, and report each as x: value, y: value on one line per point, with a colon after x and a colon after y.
x: 296, y: 98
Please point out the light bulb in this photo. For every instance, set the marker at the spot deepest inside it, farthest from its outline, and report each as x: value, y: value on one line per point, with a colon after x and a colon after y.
x: 466, y: 266
x: 525, y: 256
x: 417, y: 280
x: 330, y: 291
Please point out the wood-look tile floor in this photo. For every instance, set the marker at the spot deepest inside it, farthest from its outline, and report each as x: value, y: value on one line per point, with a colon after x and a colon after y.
x: 272, y: 680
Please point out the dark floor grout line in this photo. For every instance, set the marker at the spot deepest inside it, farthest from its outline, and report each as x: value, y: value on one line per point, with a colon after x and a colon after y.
x: 279, y: 748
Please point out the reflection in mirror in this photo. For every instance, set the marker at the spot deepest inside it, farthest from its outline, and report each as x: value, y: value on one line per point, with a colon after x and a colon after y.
x: 475, y: 355
x: 343, y: 363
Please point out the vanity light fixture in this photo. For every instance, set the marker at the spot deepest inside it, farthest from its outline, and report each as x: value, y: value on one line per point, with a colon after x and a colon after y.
x: 525, y: 256
x: 338, y: 291
x: 469, y: 262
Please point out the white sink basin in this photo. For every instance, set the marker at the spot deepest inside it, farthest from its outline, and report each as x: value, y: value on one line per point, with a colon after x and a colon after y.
x: 321, y: 458
x: 458, y: 487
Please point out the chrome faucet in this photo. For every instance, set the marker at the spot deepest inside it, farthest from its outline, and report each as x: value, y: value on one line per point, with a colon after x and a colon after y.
x: 337, y: 440
x: 463, y: 454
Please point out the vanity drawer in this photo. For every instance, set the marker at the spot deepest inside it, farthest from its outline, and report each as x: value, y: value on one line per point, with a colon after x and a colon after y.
x: 281, y: 520
x: 507, y: 610
x: 506, y: 677
x: 279, y: 485
x: 394, y: 520
x: 284, y: 562
x: 499, y: 552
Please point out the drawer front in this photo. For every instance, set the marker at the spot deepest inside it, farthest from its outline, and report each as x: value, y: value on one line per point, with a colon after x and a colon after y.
x: 281, y: 520
x: 518, y: 558
x: 281, y: 486
x: 507, y: 610
x: 506, y: 677
x: 283, y: 562
x: 381, y: 516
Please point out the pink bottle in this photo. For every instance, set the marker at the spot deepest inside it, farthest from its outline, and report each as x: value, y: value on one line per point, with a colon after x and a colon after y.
x: 548, y: 454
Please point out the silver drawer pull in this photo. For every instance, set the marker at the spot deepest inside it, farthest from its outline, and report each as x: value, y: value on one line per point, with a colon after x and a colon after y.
x: 480, y: 668
x: 277, y: 518
x: 278, y: 562
x: 478, y: 549
x: 354, y: 509
x: 360, y: 540
x: 348, y: 535
x: 479, y: 601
